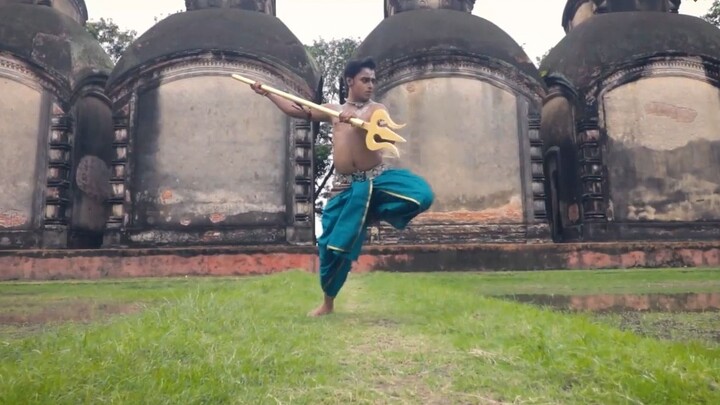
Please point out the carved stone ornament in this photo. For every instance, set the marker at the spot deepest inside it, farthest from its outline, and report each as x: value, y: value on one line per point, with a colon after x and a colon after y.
x: 577, y: 11
x: 610, y: 6
x: 393, y: 7
x: 263, y: 6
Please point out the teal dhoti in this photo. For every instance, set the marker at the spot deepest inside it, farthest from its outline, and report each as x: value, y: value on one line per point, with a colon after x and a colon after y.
x: 393, y: 195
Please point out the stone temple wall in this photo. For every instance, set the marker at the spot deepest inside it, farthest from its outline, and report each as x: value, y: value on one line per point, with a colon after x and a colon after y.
x: 165, y: 166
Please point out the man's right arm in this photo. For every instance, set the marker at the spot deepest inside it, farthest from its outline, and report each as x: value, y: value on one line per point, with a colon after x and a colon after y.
x: 292, y: 108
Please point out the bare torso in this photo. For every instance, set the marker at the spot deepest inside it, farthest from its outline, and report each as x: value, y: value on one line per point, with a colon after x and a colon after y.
x: 350, y: 154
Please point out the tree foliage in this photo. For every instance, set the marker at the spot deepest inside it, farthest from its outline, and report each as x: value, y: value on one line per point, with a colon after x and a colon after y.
x: 113, y: 39
x: 331, y: 56
x: 539, y: 59
x: 713, y: 14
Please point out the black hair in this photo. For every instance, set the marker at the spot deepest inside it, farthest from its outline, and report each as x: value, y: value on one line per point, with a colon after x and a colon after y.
x: 352, y: 68
x: 355, y: 66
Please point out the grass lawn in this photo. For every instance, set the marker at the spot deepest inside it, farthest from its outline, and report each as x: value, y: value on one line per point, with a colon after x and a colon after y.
x: 395, y: 338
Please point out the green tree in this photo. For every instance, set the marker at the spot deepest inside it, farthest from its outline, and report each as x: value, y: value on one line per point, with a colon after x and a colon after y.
x: 713, y: 14
x: 331, y: 57
x: 111, y: 37
x: 539, y: 59
x: 161, y: 17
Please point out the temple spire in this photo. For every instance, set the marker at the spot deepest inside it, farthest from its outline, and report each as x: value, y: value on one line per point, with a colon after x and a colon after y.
x: 578, y: 11
x: 75, y: 9
x: 262, y: 6
x: 393, y: 7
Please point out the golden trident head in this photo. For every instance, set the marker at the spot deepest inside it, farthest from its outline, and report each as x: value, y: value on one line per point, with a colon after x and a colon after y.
x: 380, y: 134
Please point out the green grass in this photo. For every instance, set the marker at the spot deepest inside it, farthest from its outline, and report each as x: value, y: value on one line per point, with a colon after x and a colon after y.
x: 396, y: 338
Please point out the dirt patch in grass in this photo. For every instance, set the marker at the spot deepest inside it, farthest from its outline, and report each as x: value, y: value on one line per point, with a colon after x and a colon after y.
x: 618, y: 303
x: 412, y: 389
x: 679, y: 317
x: 669, y: 326
x: 66, y: 311
x: 396, y: 366
x: 402, y: 368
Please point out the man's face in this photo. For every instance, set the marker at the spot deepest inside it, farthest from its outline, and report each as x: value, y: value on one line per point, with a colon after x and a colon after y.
x: 363, y: 84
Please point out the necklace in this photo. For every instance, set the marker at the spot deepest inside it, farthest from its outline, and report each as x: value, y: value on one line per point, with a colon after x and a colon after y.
x: 357, y: 104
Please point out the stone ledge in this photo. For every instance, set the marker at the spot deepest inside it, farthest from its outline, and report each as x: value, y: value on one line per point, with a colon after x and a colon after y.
x: 257, y: 260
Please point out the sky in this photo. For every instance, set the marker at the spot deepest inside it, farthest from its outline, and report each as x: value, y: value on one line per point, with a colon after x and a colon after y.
x: 534, y: 24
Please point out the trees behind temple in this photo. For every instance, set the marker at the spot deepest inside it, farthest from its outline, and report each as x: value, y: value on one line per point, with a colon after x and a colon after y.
x: 331, y: 57
x: 713, y: 15
x: 113, y: 39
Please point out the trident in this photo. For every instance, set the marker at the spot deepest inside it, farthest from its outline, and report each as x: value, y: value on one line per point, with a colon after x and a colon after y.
x: 376, y: 131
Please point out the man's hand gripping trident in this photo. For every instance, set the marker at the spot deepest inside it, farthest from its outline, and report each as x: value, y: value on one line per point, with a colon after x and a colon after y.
x: 380, y: 134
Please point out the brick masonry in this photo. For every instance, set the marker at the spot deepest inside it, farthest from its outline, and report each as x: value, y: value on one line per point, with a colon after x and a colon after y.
x: 243, y: 260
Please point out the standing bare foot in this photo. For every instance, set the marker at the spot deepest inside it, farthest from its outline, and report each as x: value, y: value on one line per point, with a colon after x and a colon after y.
x: 324, y: 309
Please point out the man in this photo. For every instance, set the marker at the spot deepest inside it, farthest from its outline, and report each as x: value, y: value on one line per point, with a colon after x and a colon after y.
x: 365, y: 188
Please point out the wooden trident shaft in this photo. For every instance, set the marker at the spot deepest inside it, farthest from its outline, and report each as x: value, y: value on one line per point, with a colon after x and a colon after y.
x: 379, y: 129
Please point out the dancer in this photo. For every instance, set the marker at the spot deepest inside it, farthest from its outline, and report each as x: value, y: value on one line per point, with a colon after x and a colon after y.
x: 365, y: 189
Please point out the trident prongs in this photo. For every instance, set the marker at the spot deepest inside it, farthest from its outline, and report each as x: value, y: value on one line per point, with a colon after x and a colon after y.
x: 380, y: 134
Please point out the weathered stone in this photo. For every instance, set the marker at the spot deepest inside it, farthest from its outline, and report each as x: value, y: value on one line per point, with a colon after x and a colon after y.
x: 393, y: 7
x: 471, y: 100
x: 56, y: 120
x: 74, y: 9
x: 577, y: 11
x: 630, y: 126
x: 200, y: 158
x: 263, y: 6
